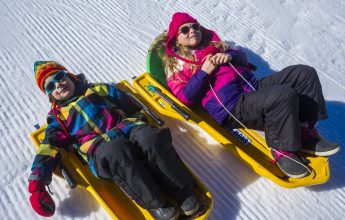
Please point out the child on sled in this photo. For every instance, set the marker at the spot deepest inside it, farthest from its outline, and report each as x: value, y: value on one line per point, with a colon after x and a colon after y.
x: 202, y: 70
x: 120, y: 146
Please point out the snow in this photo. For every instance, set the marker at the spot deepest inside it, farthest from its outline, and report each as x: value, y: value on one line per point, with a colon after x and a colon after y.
x: 107, y: 40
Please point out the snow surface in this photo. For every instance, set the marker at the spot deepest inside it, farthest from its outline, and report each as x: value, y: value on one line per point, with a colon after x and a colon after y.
x: 107, y: 40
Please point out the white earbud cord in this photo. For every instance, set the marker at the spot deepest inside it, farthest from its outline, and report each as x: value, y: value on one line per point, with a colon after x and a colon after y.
x: 239, y: 122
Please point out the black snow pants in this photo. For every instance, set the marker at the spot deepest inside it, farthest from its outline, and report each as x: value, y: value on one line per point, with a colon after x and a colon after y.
x: 280, y: 102
x: 145, y: 166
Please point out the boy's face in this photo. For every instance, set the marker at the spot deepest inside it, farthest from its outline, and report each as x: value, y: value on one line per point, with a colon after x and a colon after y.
x: 64, y: 88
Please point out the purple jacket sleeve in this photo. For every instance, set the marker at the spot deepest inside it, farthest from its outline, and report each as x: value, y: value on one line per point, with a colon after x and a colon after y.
x: 189, y: 92
x: 196, y: 87
x: 239, y: 57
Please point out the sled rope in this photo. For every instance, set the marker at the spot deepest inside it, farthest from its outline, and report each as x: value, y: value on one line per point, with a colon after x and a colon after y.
x: 251, y: 86
x: 50, y: 192
x: 63, y: 126
x: 239, y: 122
x: 221, y: 103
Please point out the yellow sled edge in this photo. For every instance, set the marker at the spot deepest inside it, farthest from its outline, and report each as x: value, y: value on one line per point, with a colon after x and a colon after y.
x: 319, y: 165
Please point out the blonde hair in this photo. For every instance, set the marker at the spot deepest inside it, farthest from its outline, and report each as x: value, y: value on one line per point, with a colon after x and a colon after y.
x: 171, y: 63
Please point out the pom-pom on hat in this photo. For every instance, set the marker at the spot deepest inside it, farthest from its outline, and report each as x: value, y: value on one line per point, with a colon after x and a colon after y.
x: 43, y: 69
x: 178, y: 19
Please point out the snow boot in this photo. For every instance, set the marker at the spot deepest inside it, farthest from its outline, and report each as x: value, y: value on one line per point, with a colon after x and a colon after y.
x: 190, y: 205
x: 290, y: 164
x: 165, y: 213
x: 313, y: 143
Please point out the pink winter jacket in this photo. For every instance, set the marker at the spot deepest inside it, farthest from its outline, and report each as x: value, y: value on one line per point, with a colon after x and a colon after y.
x: 194, y: 86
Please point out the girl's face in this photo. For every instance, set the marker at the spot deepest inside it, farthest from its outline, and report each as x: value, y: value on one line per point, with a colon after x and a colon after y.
x: 64, y: 88
x: 189, y: 35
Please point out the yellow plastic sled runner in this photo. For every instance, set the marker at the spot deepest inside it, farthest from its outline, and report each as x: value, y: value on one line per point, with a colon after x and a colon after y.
x: 247, y: 145
x: 107, y: 193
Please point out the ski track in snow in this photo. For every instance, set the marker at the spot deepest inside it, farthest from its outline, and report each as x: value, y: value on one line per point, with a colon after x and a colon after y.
x: 107, y: 40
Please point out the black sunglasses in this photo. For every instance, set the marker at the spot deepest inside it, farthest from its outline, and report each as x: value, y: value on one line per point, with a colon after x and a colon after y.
x: 186, y: 29
x: 59, y: 76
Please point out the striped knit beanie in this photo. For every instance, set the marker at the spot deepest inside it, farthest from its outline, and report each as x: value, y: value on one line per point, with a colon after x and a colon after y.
x: 43, y: 69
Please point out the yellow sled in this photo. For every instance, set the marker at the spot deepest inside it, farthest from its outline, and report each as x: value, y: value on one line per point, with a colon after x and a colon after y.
x: 107, y: 193
x: 247, y: 145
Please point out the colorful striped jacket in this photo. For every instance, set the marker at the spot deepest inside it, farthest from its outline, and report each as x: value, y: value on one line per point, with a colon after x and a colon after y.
x: 100, y: 112
x: 192, y: 87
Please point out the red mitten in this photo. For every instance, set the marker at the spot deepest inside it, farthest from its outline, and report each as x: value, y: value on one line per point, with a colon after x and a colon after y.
x: 40, y: 199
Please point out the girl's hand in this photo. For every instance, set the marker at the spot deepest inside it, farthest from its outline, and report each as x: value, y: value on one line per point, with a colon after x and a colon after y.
x: 220, y: 58
x: 208, y: 66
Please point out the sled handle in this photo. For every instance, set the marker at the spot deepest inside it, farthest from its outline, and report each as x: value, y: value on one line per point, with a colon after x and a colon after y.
x: 177, y: 109
x: 68, y: 177
x: 147, y: 110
